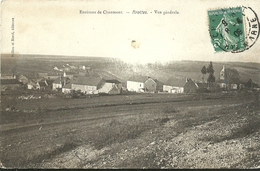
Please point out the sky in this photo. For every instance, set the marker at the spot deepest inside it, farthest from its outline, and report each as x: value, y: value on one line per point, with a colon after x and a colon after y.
x: 55, y: 27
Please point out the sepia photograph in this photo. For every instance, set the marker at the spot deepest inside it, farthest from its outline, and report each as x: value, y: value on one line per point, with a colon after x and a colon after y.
x: 128, y: 84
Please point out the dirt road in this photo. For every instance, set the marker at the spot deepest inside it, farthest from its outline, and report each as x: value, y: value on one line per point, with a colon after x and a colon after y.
x: 185, y: 134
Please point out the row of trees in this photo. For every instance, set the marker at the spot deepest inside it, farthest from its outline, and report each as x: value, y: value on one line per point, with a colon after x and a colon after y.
x: 210, y: 70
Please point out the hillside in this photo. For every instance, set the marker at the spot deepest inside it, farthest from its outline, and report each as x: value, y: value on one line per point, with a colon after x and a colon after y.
x: 29, y: 65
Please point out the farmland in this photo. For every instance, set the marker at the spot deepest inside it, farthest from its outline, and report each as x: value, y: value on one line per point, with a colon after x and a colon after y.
x: 133, y: 131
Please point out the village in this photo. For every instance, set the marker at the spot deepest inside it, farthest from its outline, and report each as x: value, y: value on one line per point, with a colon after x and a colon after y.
x: 111, y: 115
x: 81, y: 81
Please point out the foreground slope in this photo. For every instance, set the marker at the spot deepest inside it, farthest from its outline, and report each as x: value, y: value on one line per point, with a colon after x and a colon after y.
x: 216, y: 131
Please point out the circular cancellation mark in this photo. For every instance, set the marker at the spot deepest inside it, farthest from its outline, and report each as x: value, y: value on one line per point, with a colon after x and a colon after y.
x: 233, y: 29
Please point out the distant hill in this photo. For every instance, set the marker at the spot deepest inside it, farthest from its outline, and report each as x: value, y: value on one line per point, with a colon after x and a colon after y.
x: 29, y: 65
x: 189, y: 69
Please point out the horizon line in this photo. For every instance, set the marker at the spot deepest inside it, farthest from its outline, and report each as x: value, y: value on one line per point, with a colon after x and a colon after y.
x: 80, y: 56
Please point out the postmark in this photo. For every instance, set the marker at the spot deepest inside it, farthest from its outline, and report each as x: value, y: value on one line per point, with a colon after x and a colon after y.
x: 251, y: 25
x: 233, y: 29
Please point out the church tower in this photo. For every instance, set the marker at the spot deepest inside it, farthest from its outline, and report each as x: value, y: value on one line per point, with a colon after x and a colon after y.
x: 222, y: 73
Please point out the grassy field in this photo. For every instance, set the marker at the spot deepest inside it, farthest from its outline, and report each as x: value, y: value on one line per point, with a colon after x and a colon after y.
x: 160, y: 132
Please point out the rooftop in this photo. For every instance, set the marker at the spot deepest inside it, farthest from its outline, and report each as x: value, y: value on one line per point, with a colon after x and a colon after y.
x: 138, y: 78
x: 9, y: 81
x: 179, y: 82
x: 67, y: 86
x: 87, y: 80
x: 113, y: 81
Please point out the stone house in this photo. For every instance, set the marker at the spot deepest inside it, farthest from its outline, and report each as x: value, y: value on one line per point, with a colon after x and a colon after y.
x: 174, y: 85
x: 111, y: 87
x: 139, y: 83
x: 191, y: 86
x: 87, y: 84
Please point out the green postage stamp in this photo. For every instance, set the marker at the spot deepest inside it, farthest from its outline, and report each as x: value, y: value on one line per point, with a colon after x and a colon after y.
x: 233, y: 29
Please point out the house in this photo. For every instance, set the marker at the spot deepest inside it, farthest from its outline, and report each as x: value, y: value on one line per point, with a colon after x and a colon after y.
x: 222, y: 84
x: 136, y: 83
x: 174, y: 85
x: 227, y: 80
x: 31, y: 85
x: 230, y: 86
x: 203, y: 87
x: 66, y: 88
x: 241, y: 86
x: 60, y: 82
x: 190, y: 86
x: 22, y: 78
x: 111, y: 87
x: 43, y: 84
x: 139, y: 83
x: 250, y: 84
x: 150, y: 85
x: 234, y: 86
x: 153, y: 85
x: 10, y: 84
x: 87, y: 84
x: 159, y: 86
x: 50, y: 82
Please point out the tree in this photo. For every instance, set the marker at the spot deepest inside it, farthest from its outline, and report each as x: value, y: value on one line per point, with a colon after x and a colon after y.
x: 232, y: 76
x: 203, y: 71
x: 211, y: 78
x: 210, y: 69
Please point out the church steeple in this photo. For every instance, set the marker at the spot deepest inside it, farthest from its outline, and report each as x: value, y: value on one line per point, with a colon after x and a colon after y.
x: 222, y: 73
x: 64, y: 74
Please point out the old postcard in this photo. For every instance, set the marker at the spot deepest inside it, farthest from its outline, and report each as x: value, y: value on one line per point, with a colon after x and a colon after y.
x: 130, y: 84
